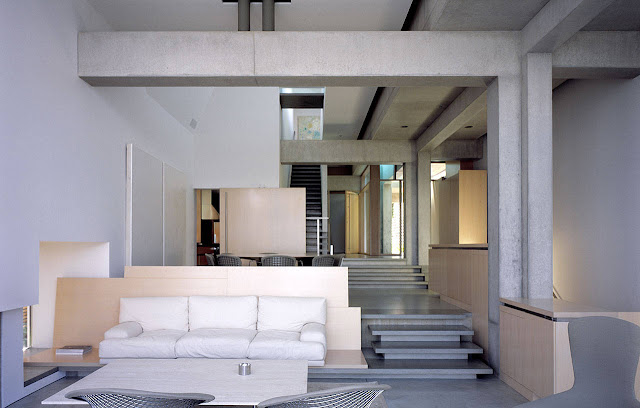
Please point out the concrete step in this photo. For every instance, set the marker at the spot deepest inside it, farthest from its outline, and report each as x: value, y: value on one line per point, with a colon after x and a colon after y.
x: 389, y: 285
x: 382, y: 272
x: 367, y: 262
x: 420, y: 329
x: 386, y: 274
x: 380, y: 367
x: 415, y: 278
x: 437, y: 350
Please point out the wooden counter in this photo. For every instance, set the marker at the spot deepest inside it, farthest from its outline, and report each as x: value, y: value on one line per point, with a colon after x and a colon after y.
x: 535, y: 357
x: 459, y: 246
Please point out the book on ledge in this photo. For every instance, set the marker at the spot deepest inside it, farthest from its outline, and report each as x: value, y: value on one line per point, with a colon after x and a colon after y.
x: 73, y: 350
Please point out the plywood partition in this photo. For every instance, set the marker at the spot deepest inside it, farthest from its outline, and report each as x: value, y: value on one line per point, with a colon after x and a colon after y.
x: 255, y: 221
x: 352, y: 223
x: 86, y: 308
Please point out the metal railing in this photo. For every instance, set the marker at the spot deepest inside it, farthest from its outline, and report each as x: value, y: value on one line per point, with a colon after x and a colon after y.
x: 318, y: 219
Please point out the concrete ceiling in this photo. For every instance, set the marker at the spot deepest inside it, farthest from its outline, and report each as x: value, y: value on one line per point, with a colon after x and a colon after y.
x: 621, y: 15
x: 487, y: 15
x: 478, y: 127
x: 344, y: 111
x: 416, y: 108
x: 213, y: 15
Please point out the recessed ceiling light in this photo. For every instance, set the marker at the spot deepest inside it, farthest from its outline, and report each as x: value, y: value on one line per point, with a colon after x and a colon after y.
x: 404, y: 126
x: 468, y: 127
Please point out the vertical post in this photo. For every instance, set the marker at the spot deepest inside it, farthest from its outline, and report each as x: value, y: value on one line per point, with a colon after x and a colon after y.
x: 411, y: 212
x: 374, y: 209
x: 424, y: 206
x: 268, y: 15
x: 318, y: 236
x: 504, y: 201
x: 537, y: 176
x: 244, y: 15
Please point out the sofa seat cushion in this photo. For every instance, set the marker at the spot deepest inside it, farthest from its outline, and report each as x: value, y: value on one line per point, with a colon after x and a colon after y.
x: 215, y: 343
x: 150, y: 344
x: 284, y: 345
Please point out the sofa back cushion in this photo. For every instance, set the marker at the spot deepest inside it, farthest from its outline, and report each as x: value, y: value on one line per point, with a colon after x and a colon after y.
x: 290, y: 313
x: 156, y: 313
x: 223, y: 312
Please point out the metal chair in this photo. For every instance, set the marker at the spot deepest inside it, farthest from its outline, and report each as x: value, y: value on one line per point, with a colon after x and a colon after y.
x: 111, y: 398
x: 605, y: 354
x: 279, y: 260
x: 323, y: 260
x: 355, y: 396
x: 211, y: 259
x: 229, y: 260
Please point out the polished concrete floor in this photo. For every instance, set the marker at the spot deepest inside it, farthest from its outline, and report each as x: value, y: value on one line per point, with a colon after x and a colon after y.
x: 401, y: 302
x: 486, y: 392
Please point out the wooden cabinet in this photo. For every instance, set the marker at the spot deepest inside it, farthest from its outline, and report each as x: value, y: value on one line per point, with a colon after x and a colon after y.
x: 459, y: 209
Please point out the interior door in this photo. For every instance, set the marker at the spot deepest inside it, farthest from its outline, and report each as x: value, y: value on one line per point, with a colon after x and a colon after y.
x: 352, y: 223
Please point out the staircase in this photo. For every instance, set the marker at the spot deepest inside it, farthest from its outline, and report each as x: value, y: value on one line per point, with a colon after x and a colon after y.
x: 384, y: 273
x: 309, y: 177
x: 407, y: 331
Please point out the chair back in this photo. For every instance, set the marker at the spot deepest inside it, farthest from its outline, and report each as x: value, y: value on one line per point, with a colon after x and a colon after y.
x: 605, y: 353
x: 211, y: 259
x: 279, y: 260
x: 323, y: 260
x: 229, y: 260
x: 356, y: 396
x: 109, y: 398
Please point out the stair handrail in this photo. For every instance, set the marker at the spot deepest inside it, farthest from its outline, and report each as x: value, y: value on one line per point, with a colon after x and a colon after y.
x: 317, y: 231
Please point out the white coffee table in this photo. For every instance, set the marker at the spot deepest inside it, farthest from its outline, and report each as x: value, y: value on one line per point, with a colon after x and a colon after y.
x: 268, y: 379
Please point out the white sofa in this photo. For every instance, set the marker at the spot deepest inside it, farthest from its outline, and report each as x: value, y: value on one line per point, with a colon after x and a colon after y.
x: 265, y: 327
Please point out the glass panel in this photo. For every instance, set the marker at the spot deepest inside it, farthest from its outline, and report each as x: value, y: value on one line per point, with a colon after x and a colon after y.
x: 387, y: 171
x: 391, y: 224
x: 399, y: 172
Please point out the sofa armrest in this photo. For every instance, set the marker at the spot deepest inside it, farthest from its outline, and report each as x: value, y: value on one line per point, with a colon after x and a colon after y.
x: 314, y: 332
x: 124, y: 331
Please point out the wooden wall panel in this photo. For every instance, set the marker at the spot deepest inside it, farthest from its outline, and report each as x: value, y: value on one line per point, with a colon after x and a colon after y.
x: 255, y: 221
x: 352, y: 223
x: 472, y: 228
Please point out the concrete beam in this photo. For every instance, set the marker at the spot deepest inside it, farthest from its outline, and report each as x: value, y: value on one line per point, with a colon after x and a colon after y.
x: 599, y: 54
x: 558, y: 21
x: 346, y: 152
x: 344, y: 183
x: 457, y: 150
x: 386, y: 99
x: 460, y: 111
x: 428, y: 14
x: 283, y: 58
x: 358, y: 169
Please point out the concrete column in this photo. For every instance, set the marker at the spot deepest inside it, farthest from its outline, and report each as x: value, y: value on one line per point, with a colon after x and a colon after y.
x: 537, y: 177
x: 386, y: 215
x: 424, y: 206
x: 374, y: 210
x: 268, y: 15
x: 244, y: 15
x: 504, y: 201
x: 411, y: 212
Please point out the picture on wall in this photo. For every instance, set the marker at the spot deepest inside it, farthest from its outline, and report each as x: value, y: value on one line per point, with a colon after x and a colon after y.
x: 309, y: 128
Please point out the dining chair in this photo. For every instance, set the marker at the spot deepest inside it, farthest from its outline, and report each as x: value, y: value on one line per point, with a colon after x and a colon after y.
x: 355, y: 396
x: 323, y: 260
x: 211, y: 259
x: 110, y: 398
x: 605, y: 353
x: 279, y: 260
x: 229, y: 260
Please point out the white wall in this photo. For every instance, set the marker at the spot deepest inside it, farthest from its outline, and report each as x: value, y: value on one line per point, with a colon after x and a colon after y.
x: 63, y: 147
x: 596, y: 159
x: 238, y: 139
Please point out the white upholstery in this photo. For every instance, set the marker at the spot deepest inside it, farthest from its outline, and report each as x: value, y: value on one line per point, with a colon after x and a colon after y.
x: 219, y: 327
x: 290, y: 313
x: 156, y: 313
x: 124, y: 331
x: 314, y: 332
x: 150, y: 344
x: 223, y: 312
x: 215, y: 343
x: 284, y: 345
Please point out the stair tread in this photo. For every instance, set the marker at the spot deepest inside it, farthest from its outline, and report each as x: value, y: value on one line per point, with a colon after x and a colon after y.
x: 384, y: 279
x: 415, y: 366
x: 381, y: 274
x: 426, y: 347
x: 387, y: 283
x: 378, y: 266
x: 420, y: 330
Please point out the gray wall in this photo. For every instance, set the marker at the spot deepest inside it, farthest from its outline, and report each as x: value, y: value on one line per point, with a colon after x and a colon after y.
x: 238, y: 139
x: 596, y: 149
x: 63, y: 144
